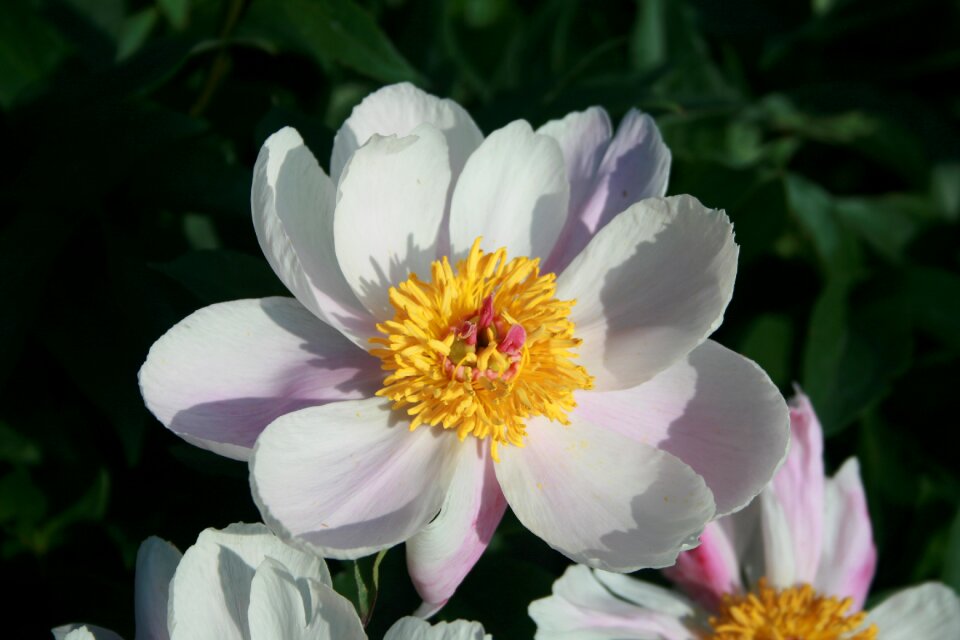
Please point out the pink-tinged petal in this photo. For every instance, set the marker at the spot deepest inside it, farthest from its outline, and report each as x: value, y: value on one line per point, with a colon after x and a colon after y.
x: 848, y: 557
x: 392, y: 199
x: 711, y: 570
x: 928, y: 611
x: 398, y: 109
x: 650, y: 286
x: 157, y: 560
x: 211, y: 590
x: 633, y: 166
x: 603, y: 499
x: 779, y: 557
x: 583, y: 137
x: 349, y: 477
x: 416, y: 629
x: 799, y: 487
x: 584, y: 607
x: 222, y: 374
x: 293, y: 202
x: 715, y: 410
x: 513, y: 191
x: 441, y: 555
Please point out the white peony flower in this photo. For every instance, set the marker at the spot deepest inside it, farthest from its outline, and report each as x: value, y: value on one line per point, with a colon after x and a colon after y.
x: 797, y: 564
x: 245, y: 583
x: 429, y: 372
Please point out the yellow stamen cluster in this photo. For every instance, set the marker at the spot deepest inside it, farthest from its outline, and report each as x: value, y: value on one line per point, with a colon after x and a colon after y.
x: 467, y: 390
x: 796, y: 613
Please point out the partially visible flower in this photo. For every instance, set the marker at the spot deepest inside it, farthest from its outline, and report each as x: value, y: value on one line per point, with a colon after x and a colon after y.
x: 244, y: 583
x: 518, y: 320
x: 796, y: 564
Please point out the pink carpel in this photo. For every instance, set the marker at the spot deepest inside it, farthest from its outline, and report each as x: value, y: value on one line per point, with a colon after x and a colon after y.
x: 486, y: 313
x: 468, y: 332
x: 513, y: 342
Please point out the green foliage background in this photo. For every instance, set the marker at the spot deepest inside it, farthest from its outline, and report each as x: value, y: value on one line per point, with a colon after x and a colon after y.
x: 828, y: 130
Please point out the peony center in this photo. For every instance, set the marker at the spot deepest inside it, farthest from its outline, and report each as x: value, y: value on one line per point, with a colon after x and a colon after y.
x: 480, y: 348
x: 795, y: 613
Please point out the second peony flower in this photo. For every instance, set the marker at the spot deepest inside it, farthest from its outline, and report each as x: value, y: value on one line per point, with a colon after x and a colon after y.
x: 518, y: 320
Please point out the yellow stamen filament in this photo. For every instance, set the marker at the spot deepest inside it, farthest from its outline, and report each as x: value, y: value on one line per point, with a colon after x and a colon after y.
x: 489, y: 388
x: 796, y: 613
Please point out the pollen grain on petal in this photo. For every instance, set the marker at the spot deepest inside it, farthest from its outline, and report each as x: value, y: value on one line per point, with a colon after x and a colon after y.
x: 480, y: 348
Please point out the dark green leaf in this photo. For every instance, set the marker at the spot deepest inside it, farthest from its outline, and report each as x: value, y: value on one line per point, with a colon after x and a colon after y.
x: 219, y: 275
x: 713, y: 136
x: 648, y: 42
x: 857, y: 345
x: 932, y: 298
x: 843, y: 128
x: 135, y: 31
x: 768, y: 342
x: 91, y: 507
x: 951, y: 561
x: 827, y: 337
x: 29, y: 49
x: 946, y: 189
x: 886, y: 223
x: 16, y: 448
x: 366, y: 582
x: 176, y: 11
x: 836, y: 246
x: 20, y: 500
x: 363, y: 595
x: 332, y: 30
x: 759, y: 216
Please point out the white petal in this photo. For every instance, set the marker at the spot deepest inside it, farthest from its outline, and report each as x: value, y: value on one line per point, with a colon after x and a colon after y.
x: 799, y: 487
x: 391, y: 203
x: 779, y: 558
x: 650, y: 286
x: 848, y: 556
x: 582, y: 607
x: 441, y: 555
x: 84, y: 632
x: 276, y: 605
x: 283, y: 606
x: 210, y: 592
x: 334, y: 616
x: 221, y: 375
x: 397, y: 110
x: 583, y: 137
x: 293, y: 203
x: 513, y: 192
x: 157, y: 561
x: 635, y: 166
x: 929, y: 611
x: 416, y: 629
x: 603, y: 499
x: 350, y: 478
x: 646, y: 595
x: 606, y: 176
x: 715, y: 410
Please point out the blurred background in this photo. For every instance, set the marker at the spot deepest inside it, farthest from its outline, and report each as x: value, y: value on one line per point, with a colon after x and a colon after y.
x: 829, y: 130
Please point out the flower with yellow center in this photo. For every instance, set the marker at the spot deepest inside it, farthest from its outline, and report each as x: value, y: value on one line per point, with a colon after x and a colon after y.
x: 810, y: 541
x: 519, y: 319
x: 794, y: 613
x: 459, y: 354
